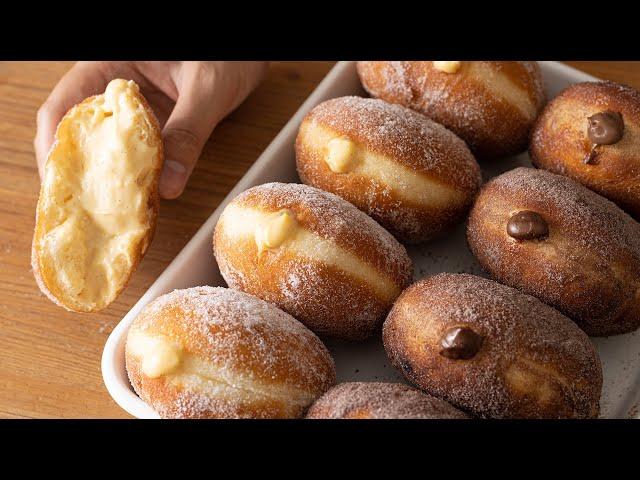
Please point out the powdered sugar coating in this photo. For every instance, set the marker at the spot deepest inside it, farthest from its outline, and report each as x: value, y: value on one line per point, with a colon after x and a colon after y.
x: 463, y: 102
x: 576, y: 207
x: 335, y: 219
x: 404, y: 135
x: 588, y: 267
x: 603, y: 93
x: 202, y: 307
x: 379, y: 400
x: 559, y: 141
x: 329, y: 298
x: 518, y: 332
x: 407, y: 155
x: 258, y: 353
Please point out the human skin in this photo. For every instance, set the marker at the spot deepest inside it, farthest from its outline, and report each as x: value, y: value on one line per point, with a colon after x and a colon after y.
x: 189, y: 99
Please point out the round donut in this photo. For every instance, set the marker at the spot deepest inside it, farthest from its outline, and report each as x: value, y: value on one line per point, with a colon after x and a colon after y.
x: 376, y: 400
x: 209, y: 352
x: 314, y: 255
x: 492, y: 351
x: 412, y: 175
x: 490, y: 105
x: 553, y: 238
x: 591, y: 133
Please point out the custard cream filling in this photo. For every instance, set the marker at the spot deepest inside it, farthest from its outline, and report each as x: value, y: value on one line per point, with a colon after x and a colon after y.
x: 96, y: 189
x: 341, y: 155
x: 404, y: 183
x: 275, y: 230
x: 243, y: 222
x: 158, y: 354
x: 448, y: 66
x: 196, y: 374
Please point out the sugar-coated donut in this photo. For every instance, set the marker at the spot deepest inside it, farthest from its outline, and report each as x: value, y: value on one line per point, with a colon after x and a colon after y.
x: 490, y: 105
x: 591, y: 133
x: 553, y: 238
x: 99, y: 200
x: 314, y: 255
x: 491, y: 350
x: 376, y: 400
x: 412, y: 175
x: 209, y: 352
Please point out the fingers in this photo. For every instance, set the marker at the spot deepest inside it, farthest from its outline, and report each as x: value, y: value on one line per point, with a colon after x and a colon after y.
x: 185, y: 133
x: 208, y: 91
x: 81, y: 81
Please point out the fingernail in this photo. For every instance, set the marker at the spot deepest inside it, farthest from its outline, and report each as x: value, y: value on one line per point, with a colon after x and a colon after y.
x: 173, y: 178
x: 176, y: 166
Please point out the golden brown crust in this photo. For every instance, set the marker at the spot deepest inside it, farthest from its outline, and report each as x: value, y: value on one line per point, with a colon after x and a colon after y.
x: 326, y: 298
x: 323, y: 297
x: 172, y: 402
x: 429, y: 152
x: 559, y: 141
x: 532, y: 362
x: 589, y: 265
x: 491, y: 105
x: 375, y: 400
x: 241, y: 357
x: 331, y: 217
x: 45, y: 276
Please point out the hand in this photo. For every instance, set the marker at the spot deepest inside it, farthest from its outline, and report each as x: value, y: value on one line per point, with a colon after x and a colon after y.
x: 189, y: 99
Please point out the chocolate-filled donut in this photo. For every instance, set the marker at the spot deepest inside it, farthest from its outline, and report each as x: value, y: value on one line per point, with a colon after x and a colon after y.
x: 376, y: 400
x: 591, y: 133
x: 490, y: 105
x: 553, y: 238
x: 491, y: 350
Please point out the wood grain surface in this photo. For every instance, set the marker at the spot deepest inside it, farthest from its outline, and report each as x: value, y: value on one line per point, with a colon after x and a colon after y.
x: 50, y: 358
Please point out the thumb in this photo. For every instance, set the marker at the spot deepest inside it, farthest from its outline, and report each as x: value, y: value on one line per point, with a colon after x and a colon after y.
x: 184, y: 135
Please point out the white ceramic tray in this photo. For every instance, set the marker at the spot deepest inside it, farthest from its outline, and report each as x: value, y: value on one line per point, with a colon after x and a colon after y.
x: 195, y: 265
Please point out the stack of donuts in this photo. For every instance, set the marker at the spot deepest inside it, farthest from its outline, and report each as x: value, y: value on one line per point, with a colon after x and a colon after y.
x: 327, y: 258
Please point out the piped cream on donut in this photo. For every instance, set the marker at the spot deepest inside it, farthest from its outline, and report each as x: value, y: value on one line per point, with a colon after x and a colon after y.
x: 323, y: 261
x: 409, y: 173
x: 491, y: 105
x: 272, y: 230
x: 218, y: 353
x: 532, y: 362
x: 584, y: 259
x: 451, y: 66
x: 260, y: 226
x: 402, y: 182
x: 158, y: 354
x: 161, y: 357
x: 591, y: 132
x: 342, y: 155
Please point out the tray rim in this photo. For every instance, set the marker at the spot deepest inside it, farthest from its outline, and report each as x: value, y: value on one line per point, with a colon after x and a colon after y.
x: 119, y: 388
x: 121, y: 391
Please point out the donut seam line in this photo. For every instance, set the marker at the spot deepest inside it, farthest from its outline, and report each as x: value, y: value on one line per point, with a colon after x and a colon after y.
x: 178, y: 379
x: 365, y: 168
x: 185, y: 380
x: 502, y: 87
x: 540, y: 369
x: 191, y: 364
x: 247, y: 227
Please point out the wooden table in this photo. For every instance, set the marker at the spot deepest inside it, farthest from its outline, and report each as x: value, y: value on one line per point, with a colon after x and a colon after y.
x: 50, y: 358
